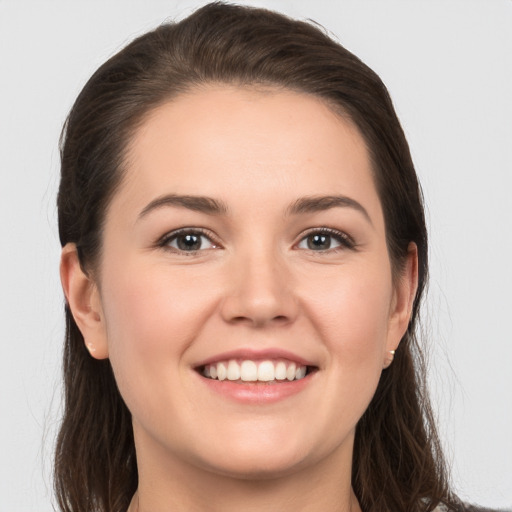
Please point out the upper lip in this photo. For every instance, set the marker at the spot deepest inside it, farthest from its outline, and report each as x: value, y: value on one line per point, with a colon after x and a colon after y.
x: 255, y: 355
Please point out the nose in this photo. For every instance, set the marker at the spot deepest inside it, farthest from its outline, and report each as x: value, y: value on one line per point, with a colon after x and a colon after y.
x: 260, y: 292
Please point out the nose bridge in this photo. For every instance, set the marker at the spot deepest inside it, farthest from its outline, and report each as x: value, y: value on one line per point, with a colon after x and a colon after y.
x: 261, y: 288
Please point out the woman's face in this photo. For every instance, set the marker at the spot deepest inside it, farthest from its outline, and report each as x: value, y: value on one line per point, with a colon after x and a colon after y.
x: 247, y: 241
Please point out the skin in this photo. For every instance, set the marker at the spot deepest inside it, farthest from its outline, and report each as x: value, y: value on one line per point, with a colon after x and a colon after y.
x: 156, y: 311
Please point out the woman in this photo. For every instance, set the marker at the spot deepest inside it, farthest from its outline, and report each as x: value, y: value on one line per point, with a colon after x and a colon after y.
x: 244, y: 256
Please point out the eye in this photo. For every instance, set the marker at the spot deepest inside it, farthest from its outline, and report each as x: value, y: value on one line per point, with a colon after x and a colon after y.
x: 188, y: 240
x: 325, y: 239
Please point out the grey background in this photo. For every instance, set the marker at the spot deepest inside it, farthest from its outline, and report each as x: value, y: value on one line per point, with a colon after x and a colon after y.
x: 448, y: 66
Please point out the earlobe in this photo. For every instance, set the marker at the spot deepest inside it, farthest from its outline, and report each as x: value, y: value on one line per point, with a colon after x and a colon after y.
x: 403, y: 301
x: 84, y: 301
x: 390, y: 356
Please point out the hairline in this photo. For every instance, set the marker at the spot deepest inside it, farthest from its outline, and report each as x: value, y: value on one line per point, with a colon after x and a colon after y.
x: 136, y: 122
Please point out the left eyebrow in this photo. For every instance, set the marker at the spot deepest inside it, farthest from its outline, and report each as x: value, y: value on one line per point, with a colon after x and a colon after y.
x: 201, y: 204
x: 311, y: 204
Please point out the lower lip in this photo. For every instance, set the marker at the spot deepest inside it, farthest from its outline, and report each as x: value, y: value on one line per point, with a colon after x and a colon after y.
x: 257, y: 392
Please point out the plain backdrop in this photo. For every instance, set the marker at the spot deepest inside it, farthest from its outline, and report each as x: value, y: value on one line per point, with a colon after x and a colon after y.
x: 448, y: 65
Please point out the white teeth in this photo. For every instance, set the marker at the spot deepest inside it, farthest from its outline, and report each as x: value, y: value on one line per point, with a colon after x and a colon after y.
x: 266, y: 371
x: 300, y: 373
x: 221, y: 371
x: 290, y: 372
x: 233, y: 370
x: 251, y: 371
x: 280, y: 372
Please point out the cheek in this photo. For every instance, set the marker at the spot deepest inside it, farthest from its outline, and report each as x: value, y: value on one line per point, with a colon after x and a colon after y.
x: 152, y: 317
x: 351, y: 311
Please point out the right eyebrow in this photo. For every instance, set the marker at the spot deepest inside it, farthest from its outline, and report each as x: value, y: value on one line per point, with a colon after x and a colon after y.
x: 202, y: 204
x: 311, y: 204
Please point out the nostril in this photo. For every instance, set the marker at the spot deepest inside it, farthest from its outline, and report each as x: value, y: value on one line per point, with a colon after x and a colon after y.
x: 258, y: 305
x: 259, y: 320
x: 241, y: 319
x: 281, y: 320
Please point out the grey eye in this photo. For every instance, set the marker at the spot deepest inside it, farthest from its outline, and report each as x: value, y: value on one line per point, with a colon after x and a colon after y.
x: 189, y: 241
x: 319, y: 242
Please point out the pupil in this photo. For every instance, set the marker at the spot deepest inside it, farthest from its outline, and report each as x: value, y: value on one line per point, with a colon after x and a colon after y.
x: 189, y: 242
x: 321, y: 242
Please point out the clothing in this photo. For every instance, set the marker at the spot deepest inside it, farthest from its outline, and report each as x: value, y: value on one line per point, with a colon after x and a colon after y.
x: 471, y: 508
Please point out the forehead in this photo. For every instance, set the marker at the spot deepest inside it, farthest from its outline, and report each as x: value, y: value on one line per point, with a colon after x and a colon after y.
x: 241, y: 144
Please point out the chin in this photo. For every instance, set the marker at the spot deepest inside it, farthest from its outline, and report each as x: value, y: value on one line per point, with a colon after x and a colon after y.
x: 262, y: 457
x: 260, y: 468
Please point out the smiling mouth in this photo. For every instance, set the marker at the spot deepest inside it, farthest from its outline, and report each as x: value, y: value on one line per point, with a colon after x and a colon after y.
x: 249, y: 371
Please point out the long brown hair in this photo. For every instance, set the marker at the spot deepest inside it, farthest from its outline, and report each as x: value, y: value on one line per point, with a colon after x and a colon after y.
x: 397, y: 463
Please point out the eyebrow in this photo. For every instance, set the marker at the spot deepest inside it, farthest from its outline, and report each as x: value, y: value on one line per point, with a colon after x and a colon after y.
x: 210, y: 206
x: 313, y: 204
x: 196, y: 203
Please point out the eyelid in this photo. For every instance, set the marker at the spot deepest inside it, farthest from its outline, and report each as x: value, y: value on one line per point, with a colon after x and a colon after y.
x: 164, y: 240
x: 345, y: 240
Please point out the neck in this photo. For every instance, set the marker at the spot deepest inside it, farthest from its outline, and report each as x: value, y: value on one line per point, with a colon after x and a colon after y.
x: 175, y: 486
x: 248, y: 504
x: 249, y: 499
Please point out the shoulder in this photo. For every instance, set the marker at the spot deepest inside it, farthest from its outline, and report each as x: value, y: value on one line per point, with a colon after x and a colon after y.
x: 473, y: 508
x: 470, y: 508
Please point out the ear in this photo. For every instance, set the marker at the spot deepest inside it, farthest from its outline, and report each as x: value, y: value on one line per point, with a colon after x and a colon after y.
x: 402, y: 303
x: 84, y: 301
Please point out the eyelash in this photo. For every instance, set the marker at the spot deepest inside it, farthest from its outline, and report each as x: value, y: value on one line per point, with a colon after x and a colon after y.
x: 174, y: 235
x: 345, y: 241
